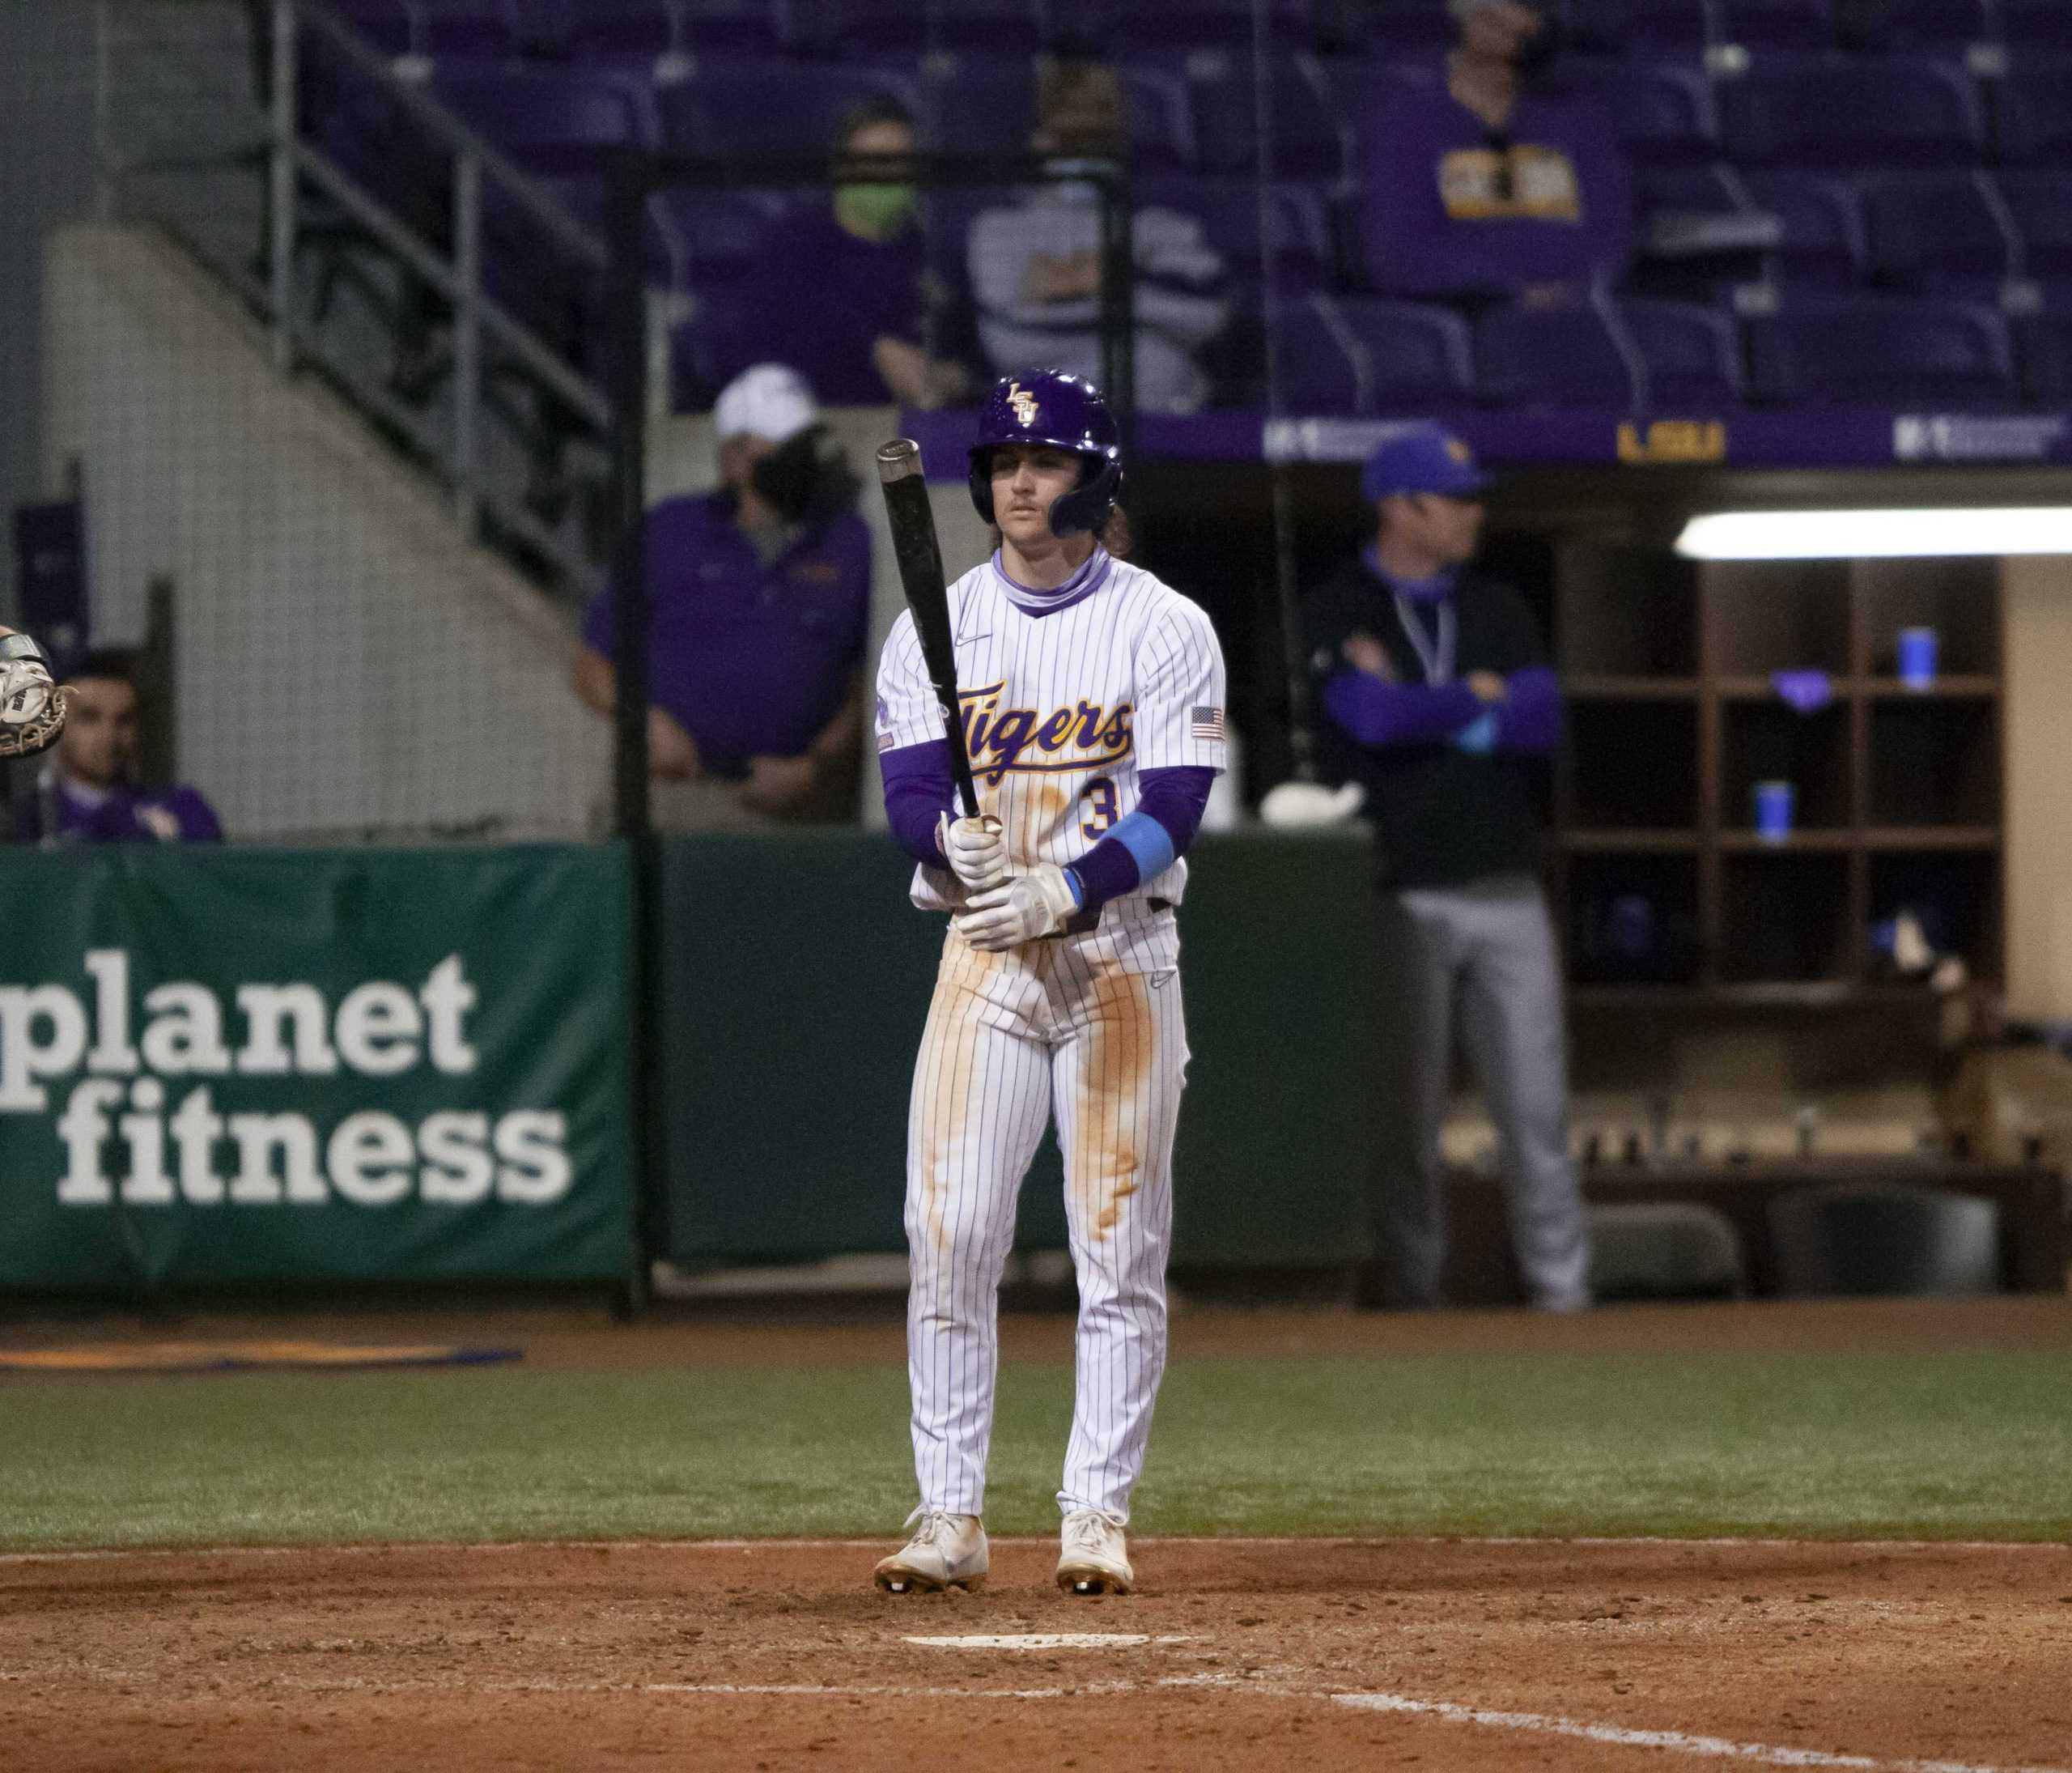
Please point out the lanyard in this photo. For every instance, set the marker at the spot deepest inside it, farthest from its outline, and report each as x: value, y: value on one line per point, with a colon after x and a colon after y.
x: 1437, y: 659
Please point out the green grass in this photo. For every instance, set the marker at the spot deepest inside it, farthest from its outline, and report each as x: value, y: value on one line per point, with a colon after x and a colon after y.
x: 1972, y: 1445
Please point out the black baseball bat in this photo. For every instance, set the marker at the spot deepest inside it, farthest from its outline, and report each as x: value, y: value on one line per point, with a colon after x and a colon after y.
x: 915, y: 546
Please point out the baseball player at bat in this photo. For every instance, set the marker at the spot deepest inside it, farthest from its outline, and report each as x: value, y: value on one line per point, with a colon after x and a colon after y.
x: 1092, y: 705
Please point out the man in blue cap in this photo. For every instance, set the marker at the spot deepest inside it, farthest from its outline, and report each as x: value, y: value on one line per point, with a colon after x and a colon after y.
x: 1437, y: 697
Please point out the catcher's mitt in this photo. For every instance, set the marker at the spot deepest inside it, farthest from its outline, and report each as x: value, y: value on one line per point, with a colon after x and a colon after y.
x: 31, y: 706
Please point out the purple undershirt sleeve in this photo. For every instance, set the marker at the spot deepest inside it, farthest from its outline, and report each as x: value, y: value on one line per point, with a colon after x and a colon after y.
x: 918, y: 792
x: 1379, y: 714
x: 1174, y: 798
x: 1529, y: 718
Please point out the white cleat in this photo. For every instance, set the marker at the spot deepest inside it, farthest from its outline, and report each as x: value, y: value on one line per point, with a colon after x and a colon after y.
x: 947, y: 1551
x: 1096, y: 1558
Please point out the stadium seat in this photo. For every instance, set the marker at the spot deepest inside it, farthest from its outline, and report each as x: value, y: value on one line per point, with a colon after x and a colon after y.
x: 1386, y: 30
x: 2035, y: 25
x: 1820, y: 242
x: 1645, y: 355
x: 1309, y: 137
x: 1834, y: 113
x: 1945, y: 27
x: 383, y: 24
x: 2045, y: 340
x: 977, y: 104
x: 1363, y: 356
x: 1172, y: 25
x: 1553, y: 357
x: 1691, y: 353
x: 886, y: 30
x: 2032, y: 123
x: 710, y: 237
x: 549, y: 120
x: 1654, y: 27
x: 1938, y: 233
x: 1228, y: 211
x: 1876, y: 350
x: 2042, y: 205
x: 1887, y: 1238
x: 1664, y: 112
x: 763, y: 107
x: 463, y: 30
x: 623, y: 33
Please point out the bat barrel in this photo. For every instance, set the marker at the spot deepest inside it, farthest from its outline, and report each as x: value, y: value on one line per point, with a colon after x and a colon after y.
x: 899, y: 460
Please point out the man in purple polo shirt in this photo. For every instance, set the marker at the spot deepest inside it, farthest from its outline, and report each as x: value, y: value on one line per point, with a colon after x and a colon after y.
x: 759, y: 597
x: 1485, y: 183
x: 85, y: 793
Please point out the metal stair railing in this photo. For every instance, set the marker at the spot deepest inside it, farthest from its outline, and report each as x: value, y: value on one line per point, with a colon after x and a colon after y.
x: 295, y: 168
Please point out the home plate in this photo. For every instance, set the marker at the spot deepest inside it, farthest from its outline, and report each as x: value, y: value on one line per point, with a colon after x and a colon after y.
x: 1045, y: 1640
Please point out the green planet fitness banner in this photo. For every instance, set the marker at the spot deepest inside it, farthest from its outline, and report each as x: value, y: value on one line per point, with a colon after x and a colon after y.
x: 222, y: 1065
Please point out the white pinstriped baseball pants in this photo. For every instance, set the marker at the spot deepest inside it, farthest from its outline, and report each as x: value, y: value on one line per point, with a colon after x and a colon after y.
x: 1089, y: 1027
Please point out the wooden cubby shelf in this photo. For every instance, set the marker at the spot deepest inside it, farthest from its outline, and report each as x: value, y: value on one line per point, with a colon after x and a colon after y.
x: 1668, y: 893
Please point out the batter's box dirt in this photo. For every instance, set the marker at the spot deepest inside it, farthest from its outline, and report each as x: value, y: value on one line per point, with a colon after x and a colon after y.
x: 1243, y: 1655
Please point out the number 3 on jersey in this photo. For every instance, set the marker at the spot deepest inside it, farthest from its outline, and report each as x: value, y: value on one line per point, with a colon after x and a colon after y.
x: 1100, y: 814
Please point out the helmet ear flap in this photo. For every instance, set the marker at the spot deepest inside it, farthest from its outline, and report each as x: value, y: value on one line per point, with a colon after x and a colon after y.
x: 1086, y: 507
x: 982, y: 482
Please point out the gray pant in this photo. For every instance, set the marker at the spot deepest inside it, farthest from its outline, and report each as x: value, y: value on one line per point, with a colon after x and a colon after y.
x: 1482, y: 956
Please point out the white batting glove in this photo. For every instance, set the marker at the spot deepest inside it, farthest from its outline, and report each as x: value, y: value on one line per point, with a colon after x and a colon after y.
x: 976, y: 850
x: 1025, y: 909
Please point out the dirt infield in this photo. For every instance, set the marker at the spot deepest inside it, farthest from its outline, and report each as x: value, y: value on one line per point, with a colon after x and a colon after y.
x: 1246, y: 1655
x: 1242, y: 1654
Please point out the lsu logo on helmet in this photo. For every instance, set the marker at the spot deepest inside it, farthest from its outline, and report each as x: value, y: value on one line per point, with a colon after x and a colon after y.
x: 1023, y: 402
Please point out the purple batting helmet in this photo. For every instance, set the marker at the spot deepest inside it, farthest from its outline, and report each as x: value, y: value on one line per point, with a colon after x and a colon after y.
x: 1066, y: 412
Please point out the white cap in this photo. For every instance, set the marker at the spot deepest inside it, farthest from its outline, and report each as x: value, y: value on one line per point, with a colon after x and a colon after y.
x: 768, y: 401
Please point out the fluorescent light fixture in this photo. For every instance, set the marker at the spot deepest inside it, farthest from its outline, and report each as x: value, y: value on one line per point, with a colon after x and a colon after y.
x: 1866, y: 535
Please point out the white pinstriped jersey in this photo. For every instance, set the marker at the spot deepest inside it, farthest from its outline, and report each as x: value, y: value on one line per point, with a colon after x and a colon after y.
x: 1062, y: 709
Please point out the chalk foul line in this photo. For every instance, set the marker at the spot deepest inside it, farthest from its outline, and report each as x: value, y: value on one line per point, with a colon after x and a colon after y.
x: 1678, y: 1742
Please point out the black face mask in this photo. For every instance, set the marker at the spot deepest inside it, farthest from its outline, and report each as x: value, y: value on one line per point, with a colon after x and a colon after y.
x: 806, y: 480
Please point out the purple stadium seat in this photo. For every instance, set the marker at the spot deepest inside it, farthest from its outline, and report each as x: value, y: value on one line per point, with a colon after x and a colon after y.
x: 711, y: 237
x: 883, y: 29
x: 1664, y: 112
x: 1309, y: 133
x: 767, y: 108
x: 1652, y: 355
x: 2041, y: 206
x: 1835, y: 113
x: 1937, y: 27
x: 1554, y: 357
x: 1387, y: 29
x: 2032, y: 123
x: 1939, y: 233
x: 1691, y: 352
x: 2046, y: 350
x: 1654, y: 27
x: 1821, y: 244
x: 1170, y: 25
x: 1363, y: 356
x: 2032, y: 25
x: 1880, y: 351
x: 1161, y: 124
x: 385, y: 24
x: 460, y: 30
x: 1228, y: 211
x: 978, y: 103
x: 620, y: 33
x: 549, y: 120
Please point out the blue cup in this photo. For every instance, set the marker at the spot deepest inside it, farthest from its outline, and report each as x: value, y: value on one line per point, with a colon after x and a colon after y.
x: 1774, y: 801
x: 1917, y: 658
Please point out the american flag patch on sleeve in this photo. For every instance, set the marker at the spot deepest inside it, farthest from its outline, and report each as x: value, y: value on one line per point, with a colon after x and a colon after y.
x: 1205, y: 723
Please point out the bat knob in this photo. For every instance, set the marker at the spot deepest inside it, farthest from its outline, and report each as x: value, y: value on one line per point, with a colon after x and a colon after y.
x: 899, y: 460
